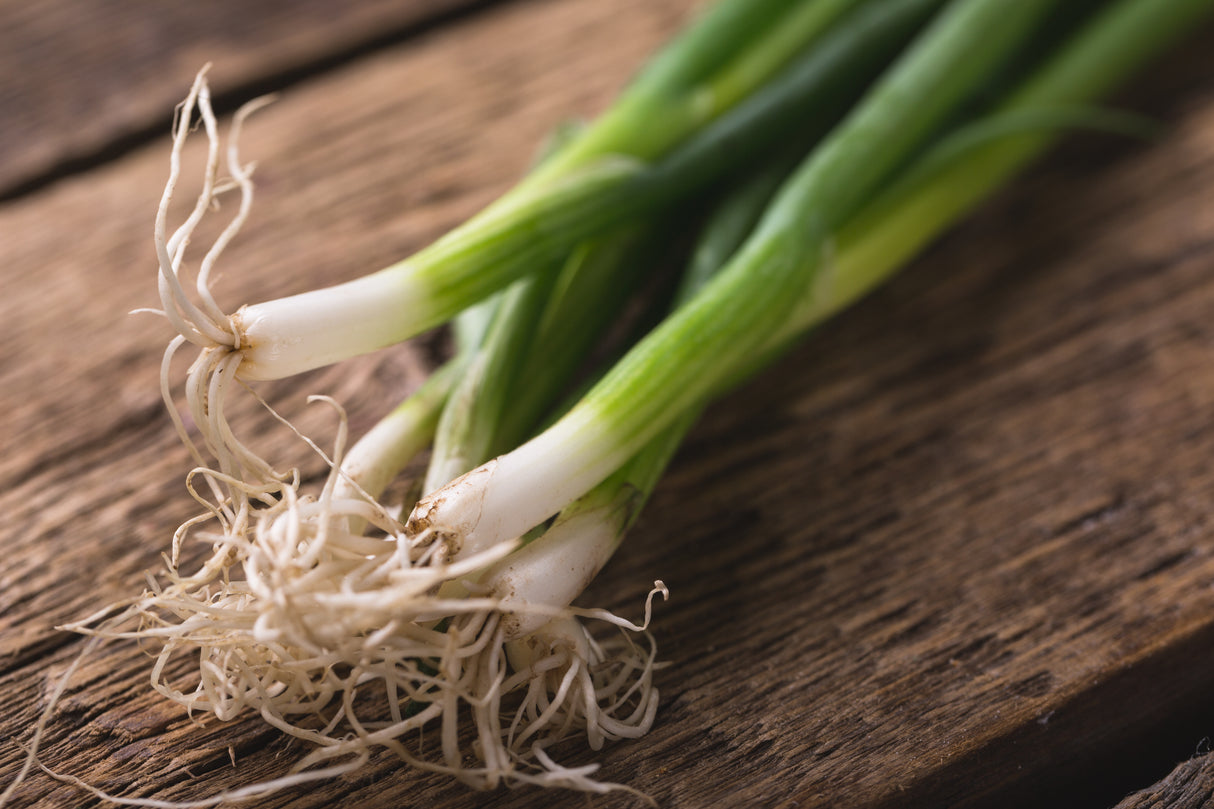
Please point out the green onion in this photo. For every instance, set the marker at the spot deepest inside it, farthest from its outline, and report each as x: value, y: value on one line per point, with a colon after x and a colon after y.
x: 819, y: 144
x: 571, y: 200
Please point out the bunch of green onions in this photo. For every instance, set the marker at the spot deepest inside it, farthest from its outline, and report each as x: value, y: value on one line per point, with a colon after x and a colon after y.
x: 802, y: 152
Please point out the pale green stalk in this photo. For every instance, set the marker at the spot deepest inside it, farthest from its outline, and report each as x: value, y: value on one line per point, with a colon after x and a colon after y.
x: 595, y: 285
x: 469, y: 421
x: 541, y: 336
x: 555, y: 567
x: 530, y: 343
x: 379, y: 456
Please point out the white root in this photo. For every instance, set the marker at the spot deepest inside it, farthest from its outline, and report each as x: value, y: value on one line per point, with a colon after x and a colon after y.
x: 346, y: 641
x: 244, y: 477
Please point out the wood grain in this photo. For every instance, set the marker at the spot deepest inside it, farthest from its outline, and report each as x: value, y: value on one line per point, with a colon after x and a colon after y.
x: 1189, y: 786
x: 82, y: 82
x: 956, y: 550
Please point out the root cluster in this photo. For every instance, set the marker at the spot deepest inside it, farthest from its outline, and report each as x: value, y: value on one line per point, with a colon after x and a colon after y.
x: 345, y: 641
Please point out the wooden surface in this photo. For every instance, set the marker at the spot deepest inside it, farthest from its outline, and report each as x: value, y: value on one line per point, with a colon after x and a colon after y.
x: 1189, y: 786
x: 956, y: 550
x: 84, y: 82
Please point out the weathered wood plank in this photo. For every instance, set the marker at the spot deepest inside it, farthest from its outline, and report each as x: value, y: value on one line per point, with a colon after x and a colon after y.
x: 953, y: 551
x: 79, y: 81
x: 1189, y: 786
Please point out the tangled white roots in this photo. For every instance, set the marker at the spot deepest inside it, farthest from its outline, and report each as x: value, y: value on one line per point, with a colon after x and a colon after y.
x: 344, y: 641
x: 204, y: 323
x: 343, y: 636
